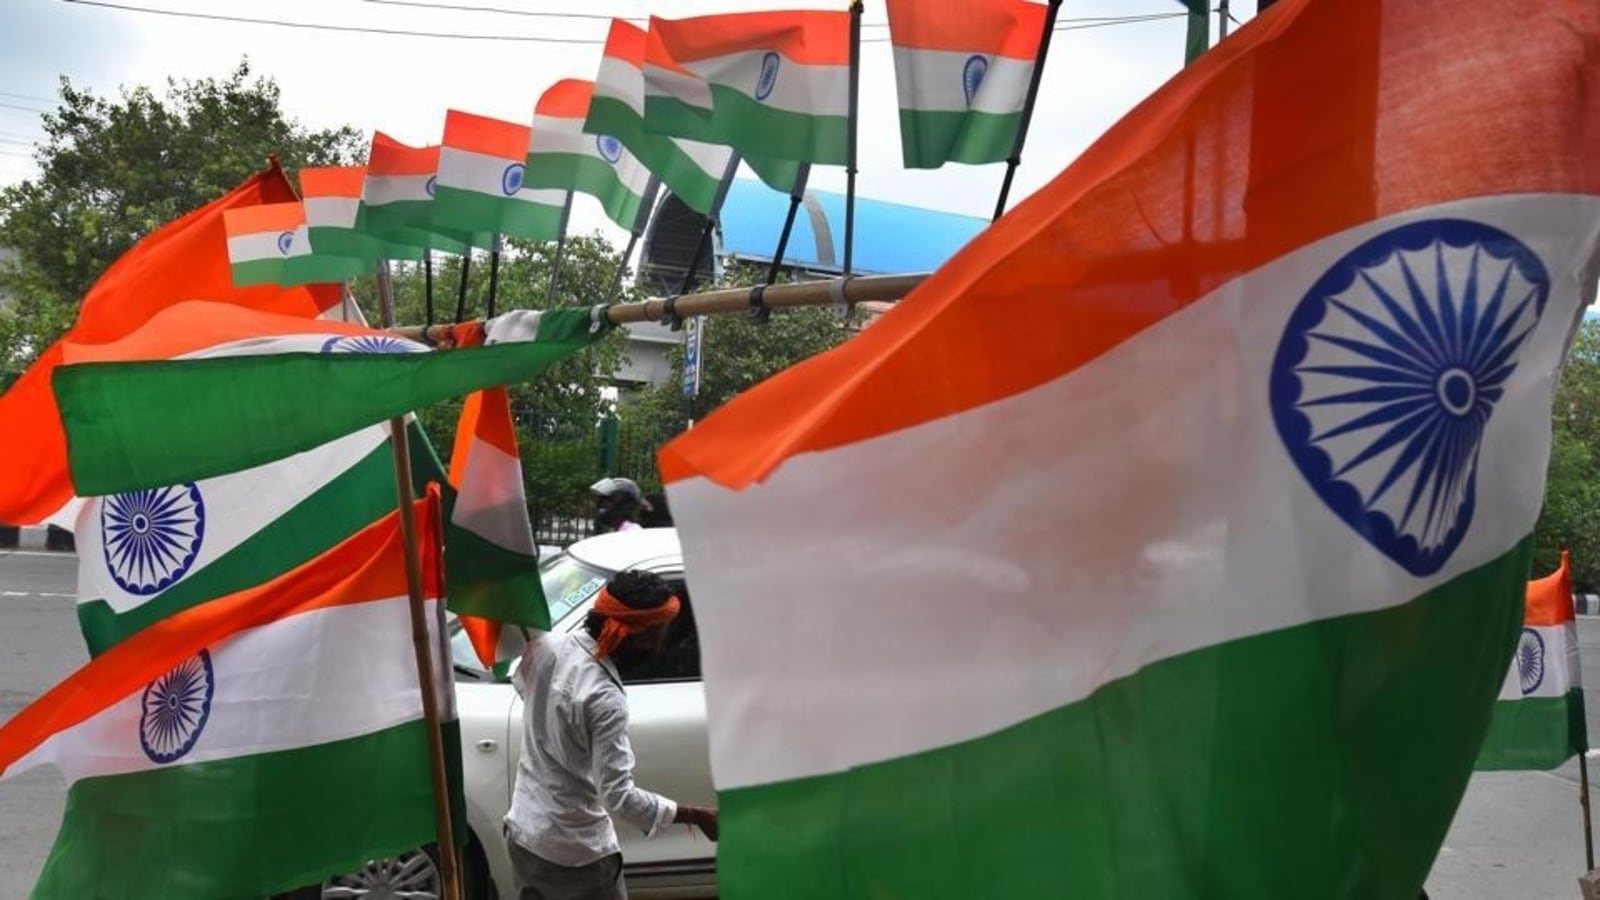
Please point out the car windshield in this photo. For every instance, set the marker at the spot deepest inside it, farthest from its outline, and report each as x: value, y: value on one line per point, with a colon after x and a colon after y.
x: 568, y: 584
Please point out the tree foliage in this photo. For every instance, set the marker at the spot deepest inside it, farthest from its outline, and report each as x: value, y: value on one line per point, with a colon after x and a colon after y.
x: 1571, y: 516
x: 113, y: 169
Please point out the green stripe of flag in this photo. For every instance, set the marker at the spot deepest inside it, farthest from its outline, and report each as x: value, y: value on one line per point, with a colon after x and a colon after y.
x: 354, y: 244
x: 1535, y: 733
x: 934, y: 137
x: 489, y: 581
x: 533, y: 221
x: 586, y: 174
x: 214, y: 820
x: 1182, y: 762
x: 691, y: 184
x: 136, y: 425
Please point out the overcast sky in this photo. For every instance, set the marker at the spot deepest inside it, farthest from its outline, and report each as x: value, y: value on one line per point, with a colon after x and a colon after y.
x: 403, y: 85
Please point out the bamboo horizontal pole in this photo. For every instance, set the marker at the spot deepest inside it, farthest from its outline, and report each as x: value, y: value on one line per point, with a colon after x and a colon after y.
x: 859, y: 289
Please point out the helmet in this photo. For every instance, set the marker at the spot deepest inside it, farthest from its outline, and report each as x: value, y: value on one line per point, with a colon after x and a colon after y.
x: 618, y: 500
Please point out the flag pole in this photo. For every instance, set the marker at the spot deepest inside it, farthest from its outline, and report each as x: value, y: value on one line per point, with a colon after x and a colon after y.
x: 461, y: 286
x: 795, y: 196
x: 1588, y: 820
x: 494, y: 276
x: 561, y: 249
x: 1015, y: 159
x: 850, y: 168
x: 1222, y: 35
x: 640, y: 219
x: 427, y: 280
x: 449, y: 867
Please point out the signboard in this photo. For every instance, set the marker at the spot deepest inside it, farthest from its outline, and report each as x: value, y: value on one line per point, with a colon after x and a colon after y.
x: 694, y: 330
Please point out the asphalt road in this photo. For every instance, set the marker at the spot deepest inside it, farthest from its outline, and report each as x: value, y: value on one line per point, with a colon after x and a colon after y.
x: 1517, y: 834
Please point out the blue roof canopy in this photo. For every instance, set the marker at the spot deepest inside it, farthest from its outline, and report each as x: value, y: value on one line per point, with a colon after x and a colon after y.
x: 890, y: 237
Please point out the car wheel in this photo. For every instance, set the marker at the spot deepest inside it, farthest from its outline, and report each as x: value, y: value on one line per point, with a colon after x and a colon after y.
x: 413, y: 875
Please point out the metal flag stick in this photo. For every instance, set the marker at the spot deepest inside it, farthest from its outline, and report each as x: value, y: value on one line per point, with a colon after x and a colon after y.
x: 561, y: 249
x: 449, y: 864
x: 427, y: 282
x: 461, y: 285
x: 647, y: 204
x: 1015, y: 158
x: 795, y: 196
x: 1588, y: 820
x: 850, y: 166
x: 494, y: 275
x: 713, y: 217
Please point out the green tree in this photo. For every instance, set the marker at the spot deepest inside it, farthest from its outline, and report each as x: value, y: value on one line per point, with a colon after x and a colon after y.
x: 113, y: 169
x: 1571, y: 515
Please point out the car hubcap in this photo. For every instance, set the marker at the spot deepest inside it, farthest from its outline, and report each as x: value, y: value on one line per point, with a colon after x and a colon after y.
x: 410, y: 876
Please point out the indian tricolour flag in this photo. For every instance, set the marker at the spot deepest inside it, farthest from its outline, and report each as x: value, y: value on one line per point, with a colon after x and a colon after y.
x: 481, y: 185
x: 227, y: 390
x: 331, y: 196
x: 271, y: 243
x: 1539, y: 720
x: 962, y: 68
x: 773, y: 85
x: 397, y: 198
x: 1170, y: 540
x: 694, y: 171
x: 494, y: 562
x: 561, y: 156
x: 254, y: 745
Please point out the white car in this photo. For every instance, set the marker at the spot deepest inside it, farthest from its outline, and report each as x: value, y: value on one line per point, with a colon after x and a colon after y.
x: 667, y: 725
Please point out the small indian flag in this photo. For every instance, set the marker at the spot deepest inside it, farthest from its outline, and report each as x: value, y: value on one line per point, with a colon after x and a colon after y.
x: 494, y: 562
x: 561, y: 156
x: 769, y: 84
x: 482, y: 181
x: 397, y: 198
x: 694, y: 171
x: 962, y: 68
x: 1539, y: 721
x: 269, y: 738
x: 271, y: 244
x: 331, y: 196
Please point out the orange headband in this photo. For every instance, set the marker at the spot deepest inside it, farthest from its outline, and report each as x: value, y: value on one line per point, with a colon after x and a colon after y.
x: 623, y: 621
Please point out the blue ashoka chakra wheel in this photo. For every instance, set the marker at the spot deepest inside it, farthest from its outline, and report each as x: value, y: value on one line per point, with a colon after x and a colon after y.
x: 431, y: 185
x: 609, y: 147
x: 175, y: 708
x: 972, y: 76
x: 511, y: 179
x: 150, y: 538
x: 1530, y: 661
x: 285, y: 242
x: 1389, y: 371
x: 769, y: 75
x: 371, y: 343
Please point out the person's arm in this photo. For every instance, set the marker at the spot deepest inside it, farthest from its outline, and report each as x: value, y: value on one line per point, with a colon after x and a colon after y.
x: 607, y: 714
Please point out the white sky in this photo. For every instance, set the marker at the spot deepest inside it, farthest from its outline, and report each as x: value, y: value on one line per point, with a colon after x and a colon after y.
x: 403, y: 85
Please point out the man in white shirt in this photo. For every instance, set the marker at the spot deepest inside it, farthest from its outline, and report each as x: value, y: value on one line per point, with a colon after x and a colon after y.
x: 575, y: 774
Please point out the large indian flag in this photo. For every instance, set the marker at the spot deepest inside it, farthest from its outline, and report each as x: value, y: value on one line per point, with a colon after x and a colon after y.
x: 1201, y: 570
x: 242, y: 379
x: 259, y: 743
x: 773, y: 85
x: 962, y: 68
x: 481, y: 184
x: 397, y: 198
x: 692, y: 170
x: 331, y: 196
x: 561, y: 156
x: 1539, y: 720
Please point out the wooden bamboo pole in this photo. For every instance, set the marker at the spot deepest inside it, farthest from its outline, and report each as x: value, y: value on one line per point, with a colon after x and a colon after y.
x: 860, y: 289
x: 449, y: 863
